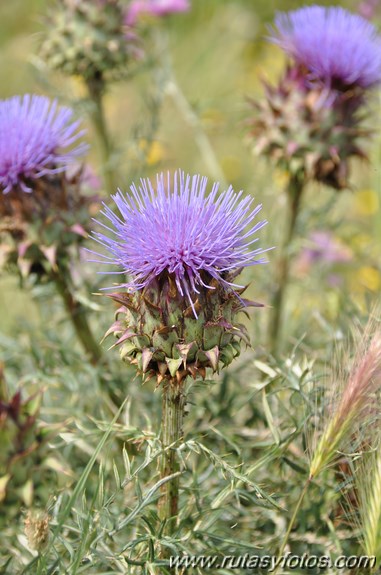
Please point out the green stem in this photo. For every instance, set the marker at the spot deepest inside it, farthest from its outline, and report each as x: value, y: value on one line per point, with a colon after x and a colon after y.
x: 172, y: 432
x: 292, y: 520
x: 172, y: 89
x: 200, y: 137
x: 96, y: 89
x: 294, y: 192
x: 77, y: 314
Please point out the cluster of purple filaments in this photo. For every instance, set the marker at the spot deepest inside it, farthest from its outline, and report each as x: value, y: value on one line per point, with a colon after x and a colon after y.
x: 334, y: 45
x: 182, y: 230
x: 37, y: 137
x: 154, y: 8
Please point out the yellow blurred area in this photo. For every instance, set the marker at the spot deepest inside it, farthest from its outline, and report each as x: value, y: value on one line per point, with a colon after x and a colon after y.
x: 212, y: 118
x: 281, y: 178
x: 154, y: 152
x: 368, y: 278
x: 232, y: 167
x: 366, y: 202
x: 361, y: 241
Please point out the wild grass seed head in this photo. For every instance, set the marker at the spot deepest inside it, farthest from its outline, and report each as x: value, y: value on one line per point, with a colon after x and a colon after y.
x: 355, y: 402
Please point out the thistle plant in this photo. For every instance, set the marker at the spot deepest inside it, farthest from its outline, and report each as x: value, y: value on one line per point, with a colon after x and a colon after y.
x: 181, y: 249
x: 88, y: 39
x: 43, y: 210
x: 312, y: 123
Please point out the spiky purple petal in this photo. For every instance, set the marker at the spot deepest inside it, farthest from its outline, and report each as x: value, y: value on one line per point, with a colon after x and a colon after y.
x: 180, y: 229
x: 37, y: 137
x: 332, y: 43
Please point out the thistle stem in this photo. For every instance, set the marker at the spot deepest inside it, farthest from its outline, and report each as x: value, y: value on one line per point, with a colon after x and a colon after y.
x: 172, y: 89
x: 294, y: 193
x: 292, y: 520
x: 77, y: 314
x: 200, y: 137
x: 96, y: 89
x: 172, y: 433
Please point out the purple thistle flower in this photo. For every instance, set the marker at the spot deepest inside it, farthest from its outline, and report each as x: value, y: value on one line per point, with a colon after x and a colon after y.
x: 155, y: 8
x: 336, y: 46
x: 367, y: 8
x: 181, y: 230
x: 324, y: 247
x: 36, y: 139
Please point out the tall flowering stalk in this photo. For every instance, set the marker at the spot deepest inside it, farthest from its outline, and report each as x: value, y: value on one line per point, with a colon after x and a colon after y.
x: 311, y: 123
x: 181, y: 249
x: 42, y: 209
x: 356, y: 402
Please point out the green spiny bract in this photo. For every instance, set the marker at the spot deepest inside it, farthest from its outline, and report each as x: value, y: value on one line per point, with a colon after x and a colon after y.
x: 309, y: 130
x: 38, y: 229
x: 86, y: 38
x: 23, y: 453
x: 158, y: 332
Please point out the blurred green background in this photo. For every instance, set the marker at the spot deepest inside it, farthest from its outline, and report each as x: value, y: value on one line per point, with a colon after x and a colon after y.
x: 218, y: 54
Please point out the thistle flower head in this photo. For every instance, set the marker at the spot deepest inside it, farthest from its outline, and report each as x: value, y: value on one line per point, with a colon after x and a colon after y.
x: 308, y: 128
x: 155, y: 8
x: 325, y: 248
x: 367, y: 8
x: 88, y: 38
x: 340, y: 48
x: 181, y: 230
x: 37, y: 137
x: 181, y: 248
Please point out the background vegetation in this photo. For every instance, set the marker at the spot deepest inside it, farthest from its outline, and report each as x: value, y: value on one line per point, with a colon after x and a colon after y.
x: 248, y: 427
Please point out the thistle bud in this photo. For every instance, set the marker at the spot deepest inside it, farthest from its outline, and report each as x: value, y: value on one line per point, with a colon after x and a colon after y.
x: 87, y: 38
x: 305, y: 128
